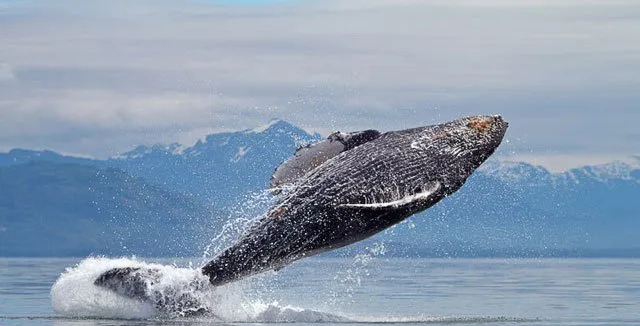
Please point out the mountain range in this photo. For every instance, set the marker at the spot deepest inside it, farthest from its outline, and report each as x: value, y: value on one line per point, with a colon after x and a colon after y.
x: 67, y: 209
x: 173, y: 199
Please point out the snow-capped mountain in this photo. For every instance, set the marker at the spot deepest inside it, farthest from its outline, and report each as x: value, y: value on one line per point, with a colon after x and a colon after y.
x: 157, y: 149
x: 516, y: 172
x: 532, y: 175
x: 21, y: 156
x: 616, y: 170
x: 60, y: 209
x: 222, y: 166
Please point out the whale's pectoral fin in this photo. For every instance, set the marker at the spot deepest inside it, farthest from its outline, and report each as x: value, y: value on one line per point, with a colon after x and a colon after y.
x: 311, y: 156
x: 410, y: 200
x: 131, y: 282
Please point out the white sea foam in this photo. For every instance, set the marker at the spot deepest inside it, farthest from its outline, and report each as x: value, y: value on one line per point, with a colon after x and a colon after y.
x: 75, y: 295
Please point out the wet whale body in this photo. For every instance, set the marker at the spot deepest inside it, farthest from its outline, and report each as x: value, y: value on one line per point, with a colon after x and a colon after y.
x: 343, y: 190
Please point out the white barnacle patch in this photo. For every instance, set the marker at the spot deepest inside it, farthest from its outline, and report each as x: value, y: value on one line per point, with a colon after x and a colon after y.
x: 454, y: 151
x: 400, y: 201
x: 425, y: 141
x: 439, y: 147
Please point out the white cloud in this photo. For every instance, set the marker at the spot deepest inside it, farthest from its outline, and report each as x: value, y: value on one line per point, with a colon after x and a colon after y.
x: 565, y: 73
x: 6, y: 72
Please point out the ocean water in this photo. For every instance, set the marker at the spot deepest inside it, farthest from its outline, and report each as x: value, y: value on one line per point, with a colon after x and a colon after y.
x: 359, y: 290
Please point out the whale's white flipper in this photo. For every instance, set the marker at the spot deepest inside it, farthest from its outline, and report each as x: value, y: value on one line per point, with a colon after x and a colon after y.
x: 401, y: 202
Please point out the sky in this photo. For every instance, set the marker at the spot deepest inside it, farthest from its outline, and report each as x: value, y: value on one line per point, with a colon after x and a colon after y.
x: 97, y: 78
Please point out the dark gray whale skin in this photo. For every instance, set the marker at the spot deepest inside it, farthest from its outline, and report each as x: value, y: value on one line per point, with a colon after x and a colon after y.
x: 361, y: 192
x: 371, y: 185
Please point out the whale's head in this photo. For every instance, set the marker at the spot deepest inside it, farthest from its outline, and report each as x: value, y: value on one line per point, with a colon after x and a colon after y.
x: 453, y: 150
x: 476, y: 137
x: 473, y: 138
x: 480, y: 135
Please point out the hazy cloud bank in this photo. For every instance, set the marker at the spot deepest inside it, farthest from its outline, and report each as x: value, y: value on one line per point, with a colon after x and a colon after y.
x: 99, y: 77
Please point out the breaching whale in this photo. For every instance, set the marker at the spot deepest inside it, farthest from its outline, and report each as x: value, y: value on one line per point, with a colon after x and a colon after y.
x: 342, y: 190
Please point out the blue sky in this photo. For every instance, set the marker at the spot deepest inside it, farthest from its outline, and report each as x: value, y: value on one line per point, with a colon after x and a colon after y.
x: 98, y: 77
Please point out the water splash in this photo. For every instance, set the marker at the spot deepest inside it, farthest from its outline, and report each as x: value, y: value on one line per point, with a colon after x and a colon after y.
x: 75, y: 295
x: 351, y: 278
x: 240, y: 218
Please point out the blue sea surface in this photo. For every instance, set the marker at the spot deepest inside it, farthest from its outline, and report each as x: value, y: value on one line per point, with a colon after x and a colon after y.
x: 370, y: 290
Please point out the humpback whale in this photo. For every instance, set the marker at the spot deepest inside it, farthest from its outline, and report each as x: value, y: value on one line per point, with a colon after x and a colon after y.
x: 341, y: 190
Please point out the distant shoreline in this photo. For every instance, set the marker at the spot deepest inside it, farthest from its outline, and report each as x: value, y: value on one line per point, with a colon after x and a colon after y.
x: 352, y: 253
